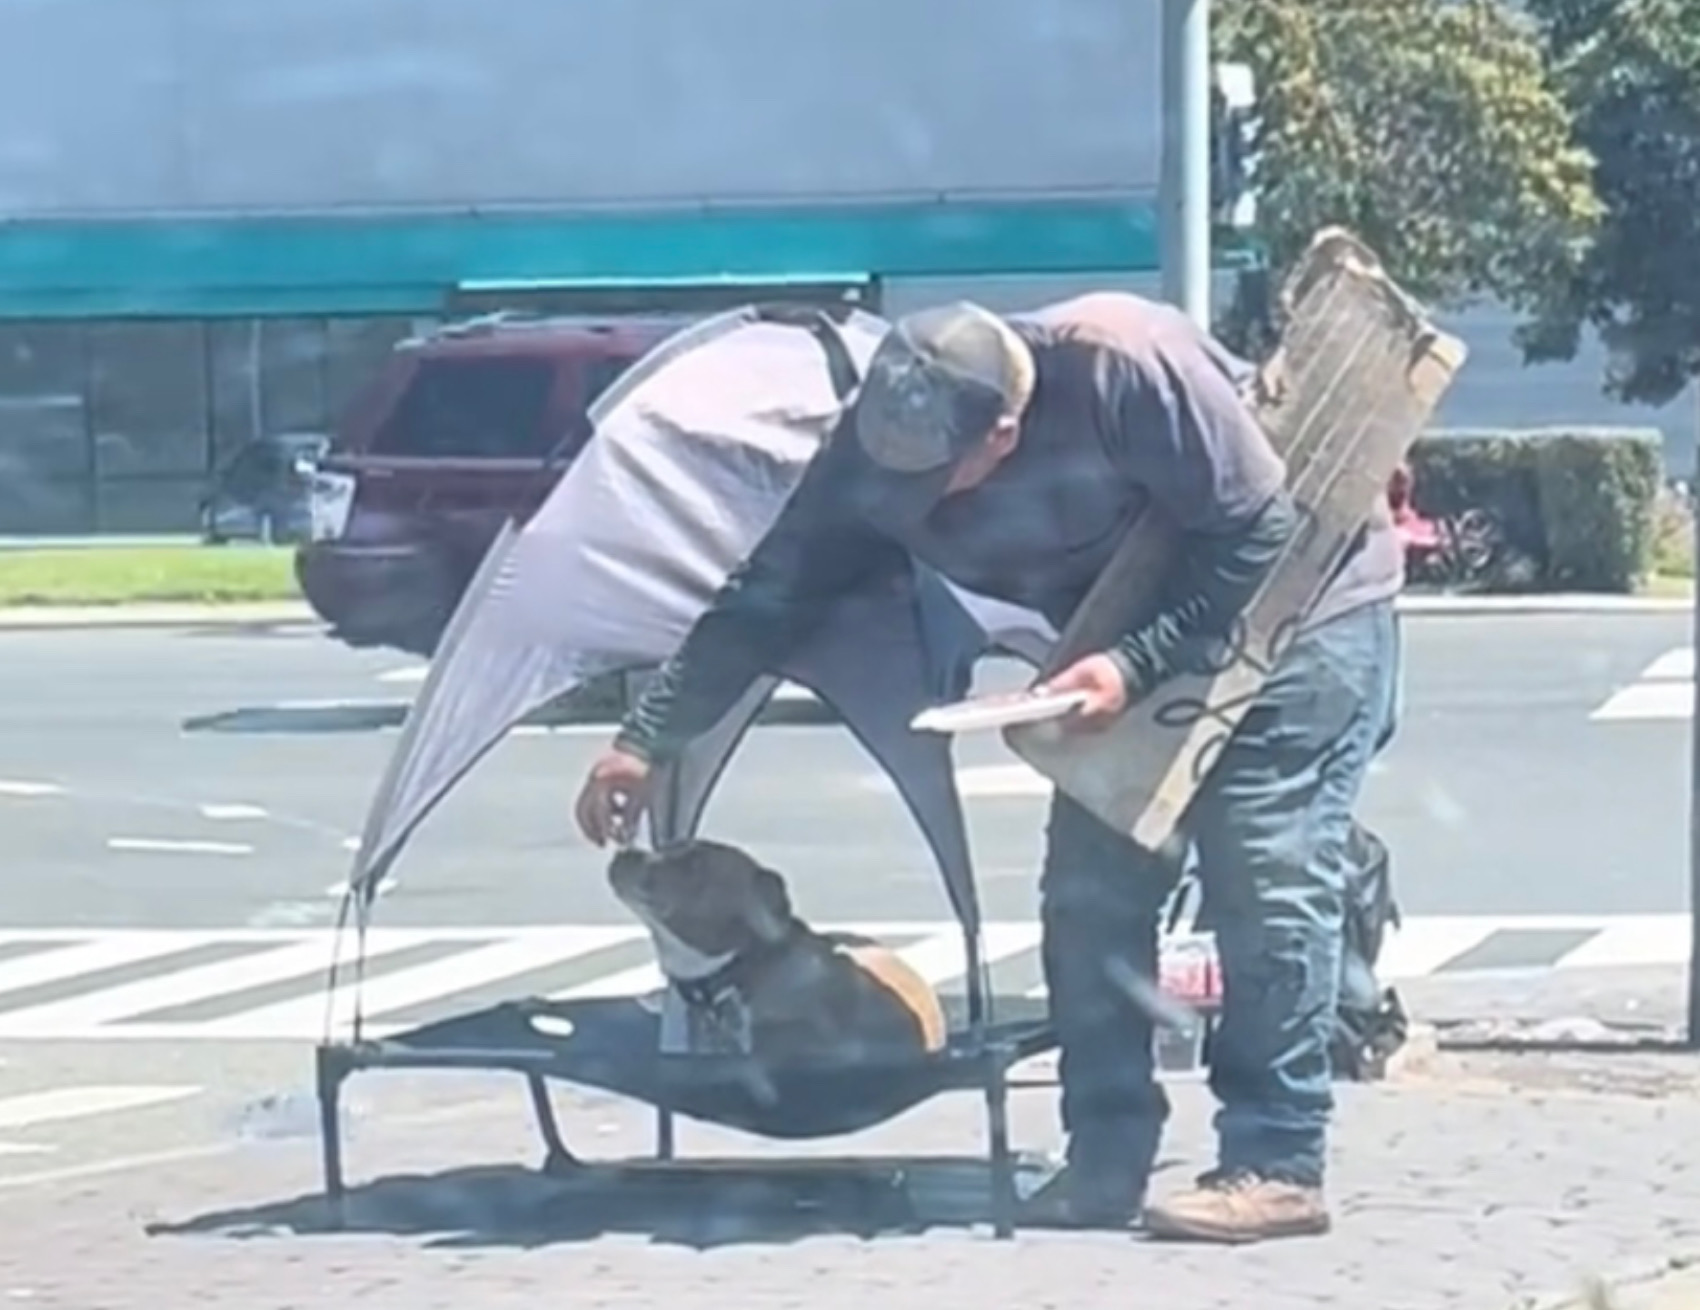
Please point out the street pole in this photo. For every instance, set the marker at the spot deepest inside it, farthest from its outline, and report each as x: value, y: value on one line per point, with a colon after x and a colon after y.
x: 1184, y: 205
x: 1694, y: 770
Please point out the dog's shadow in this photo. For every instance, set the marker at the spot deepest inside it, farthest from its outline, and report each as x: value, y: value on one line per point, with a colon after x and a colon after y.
x: 701, y: 1205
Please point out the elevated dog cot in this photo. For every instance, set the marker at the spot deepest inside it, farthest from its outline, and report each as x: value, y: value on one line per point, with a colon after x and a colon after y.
x: 694, y: 450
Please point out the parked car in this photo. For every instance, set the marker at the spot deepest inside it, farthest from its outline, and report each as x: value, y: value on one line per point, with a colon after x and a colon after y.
x: 461, y: 429
x: 263, y: 492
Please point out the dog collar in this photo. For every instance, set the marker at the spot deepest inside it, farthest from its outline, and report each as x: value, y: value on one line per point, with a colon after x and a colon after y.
x: 709, y: 990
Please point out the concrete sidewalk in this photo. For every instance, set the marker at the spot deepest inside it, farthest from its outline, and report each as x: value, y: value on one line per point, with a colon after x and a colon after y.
x: 1463, y: 1184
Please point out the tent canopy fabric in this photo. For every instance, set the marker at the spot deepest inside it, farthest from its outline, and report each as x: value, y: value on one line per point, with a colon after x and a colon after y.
x: 695, y: 450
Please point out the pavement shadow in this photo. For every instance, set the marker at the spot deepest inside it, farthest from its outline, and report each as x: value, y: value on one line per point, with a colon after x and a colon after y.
x: 345, y: 716
x: 376, y: 716
x: 700, y: 1205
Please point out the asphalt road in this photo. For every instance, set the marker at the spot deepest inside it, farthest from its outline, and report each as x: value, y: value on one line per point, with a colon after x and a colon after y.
x: 1504, y: 794
x: 1538, y: 772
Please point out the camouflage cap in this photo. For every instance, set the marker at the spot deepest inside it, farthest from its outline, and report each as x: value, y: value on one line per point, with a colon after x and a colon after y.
x: 937, y: 384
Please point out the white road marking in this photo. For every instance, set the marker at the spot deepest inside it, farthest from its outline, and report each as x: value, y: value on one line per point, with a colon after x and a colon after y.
x: 347, y: 703
x: 16, y: 787
x: 231, y: 812
x: 65, y: 1103
x: 83, y: 1014
x: 1648, y: 700
x: 1635, y: 939
x: 62, y: 1103
x: 938, y: 957
x: 338, y: 889
x: 172, y: 846
x: 942, y: 957
x: 93, y: 953
x: 1665, y: 690
x: 415, y: 986
x: 296, y: 957
x: 211, y: 1150
x: 292, y: 914
x: 993, y: 780
x: 640, y: 981
x: 1678, y: 664
x: 1421, y: 945
x: 982, y: 781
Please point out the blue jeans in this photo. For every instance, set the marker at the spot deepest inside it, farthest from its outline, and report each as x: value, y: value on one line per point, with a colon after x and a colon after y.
x: 1269, y: 827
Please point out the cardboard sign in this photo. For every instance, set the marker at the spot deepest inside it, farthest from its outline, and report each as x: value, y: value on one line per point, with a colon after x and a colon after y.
x: 1357, y: 375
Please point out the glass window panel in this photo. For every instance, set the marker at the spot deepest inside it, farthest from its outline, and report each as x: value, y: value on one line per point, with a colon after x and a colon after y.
x: 148, y: 399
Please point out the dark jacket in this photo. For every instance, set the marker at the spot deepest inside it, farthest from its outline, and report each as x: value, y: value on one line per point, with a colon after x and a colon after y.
x: 1133, y: 404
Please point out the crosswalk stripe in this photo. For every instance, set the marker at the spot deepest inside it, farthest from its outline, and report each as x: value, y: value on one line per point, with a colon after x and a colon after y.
x: 1674, y: 664
x: 1648, y: 700
x: 626, y: 982
x: 1422, y: 945
x: 61, y: 1103
x: 1665, y: 690
x: 1635, y: 939
x: 942, y: 959
x: 167, y: 991
x: 75, y: 960
x: 415, y: 986
x: 275, y: 989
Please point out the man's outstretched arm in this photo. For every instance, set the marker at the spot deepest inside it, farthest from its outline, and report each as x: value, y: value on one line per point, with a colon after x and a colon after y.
x: 816, y: 551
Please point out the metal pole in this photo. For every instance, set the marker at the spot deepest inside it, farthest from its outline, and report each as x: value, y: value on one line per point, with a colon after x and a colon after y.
x: 1694, y: 778
x: 1185, y: 201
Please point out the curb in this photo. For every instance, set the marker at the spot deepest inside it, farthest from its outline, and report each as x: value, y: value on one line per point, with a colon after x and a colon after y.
x: 52, y: 618
x: 1475, y: 606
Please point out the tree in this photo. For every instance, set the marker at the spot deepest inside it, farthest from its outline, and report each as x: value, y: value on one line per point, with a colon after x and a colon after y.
x: 1630, y: 73
x: 1430, y: 128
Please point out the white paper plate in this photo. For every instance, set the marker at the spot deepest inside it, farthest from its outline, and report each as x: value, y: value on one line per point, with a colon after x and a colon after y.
x: 997, y: 711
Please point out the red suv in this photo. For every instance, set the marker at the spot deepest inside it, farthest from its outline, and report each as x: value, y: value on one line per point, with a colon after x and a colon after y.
x: 463, y: 428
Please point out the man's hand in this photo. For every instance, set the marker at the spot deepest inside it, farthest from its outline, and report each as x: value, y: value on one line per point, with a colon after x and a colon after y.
x: 1100, y: 677
x: 613, y: 797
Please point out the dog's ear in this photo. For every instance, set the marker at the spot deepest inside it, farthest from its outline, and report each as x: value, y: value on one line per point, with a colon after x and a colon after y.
x: 773, y: 903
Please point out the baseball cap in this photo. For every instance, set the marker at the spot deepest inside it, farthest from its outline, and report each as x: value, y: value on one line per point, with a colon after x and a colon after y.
x: 937, y: 383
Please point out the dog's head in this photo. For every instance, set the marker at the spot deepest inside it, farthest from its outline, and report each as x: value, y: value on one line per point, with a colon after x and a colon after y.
x: 704, y: 903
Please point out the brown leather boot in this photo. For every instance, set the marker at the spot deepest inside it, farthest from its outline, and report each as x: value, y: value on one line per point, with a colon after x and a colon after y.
x: 1239, y: 1206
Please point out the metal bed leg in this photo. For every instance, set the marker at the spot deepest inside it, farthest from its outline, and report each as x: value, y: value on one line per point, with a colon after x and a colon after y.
x: 997, y: 1131
x: 331, y: 1068
x: 556, y: 1157
x: 664, y: 1145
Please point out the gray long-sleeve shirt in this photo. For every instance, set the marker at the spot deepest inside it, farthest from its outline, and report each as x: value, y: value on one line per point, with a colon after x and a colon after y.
x: 1133, y: 404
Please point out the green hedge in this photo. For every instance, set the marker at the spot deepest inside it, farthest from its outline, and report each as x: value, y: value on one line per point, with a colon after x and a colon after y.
x: 1574, y: 507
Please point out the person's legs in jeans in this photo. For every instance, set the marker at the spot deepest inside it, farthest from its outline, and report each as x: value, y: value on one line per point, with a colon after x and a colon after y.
x: 1100, y: 899
x: 1270, y: 829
